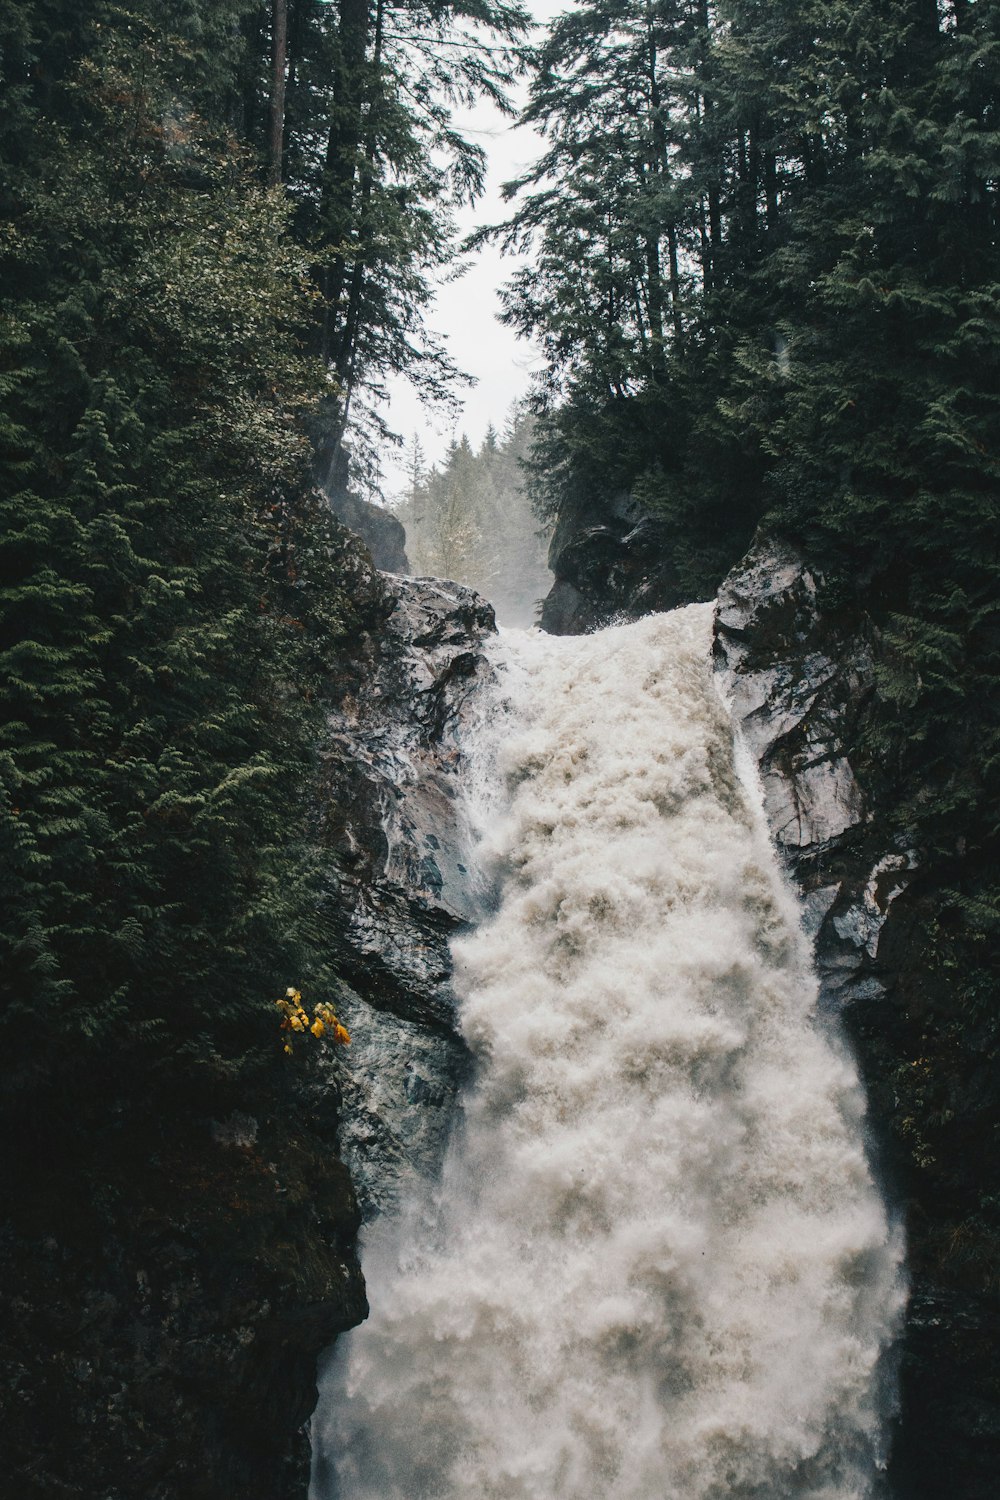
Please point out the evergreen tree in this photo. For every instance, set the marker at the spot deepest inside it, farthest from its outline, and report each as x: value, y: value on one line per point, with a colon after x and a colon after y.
x: 471, y: 520
x: 173, y: 596
x: 151, y: 473
x: 627, y: 212
x: 376, y: 164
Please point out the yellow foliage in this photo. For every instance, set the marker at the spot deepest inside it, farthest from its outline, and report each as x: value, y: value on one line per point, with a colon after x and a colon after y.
x: 295, y: 1017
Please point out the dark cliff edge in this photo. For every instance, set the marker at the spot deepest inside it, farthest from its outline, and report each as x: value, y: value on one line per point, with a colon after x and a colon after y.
x: 171, y: 1296
x: 382, y: 534
x: 800, y: 683
x: 607, y: 561
x: 378, y: 528
x: 399, y: 888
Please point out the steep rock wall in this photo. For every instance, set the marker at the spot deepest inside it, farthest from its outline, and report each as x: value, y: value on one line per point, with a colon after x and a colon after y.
x: 607, y: 560
x: 399, y: 888
x: 799, y: 682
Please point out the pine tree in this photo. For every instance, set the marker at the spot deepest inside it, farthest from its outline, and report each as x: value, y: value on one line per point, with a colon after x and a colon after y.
x: 376, y: 163
x: 471, y: 519
x: 150, y: 473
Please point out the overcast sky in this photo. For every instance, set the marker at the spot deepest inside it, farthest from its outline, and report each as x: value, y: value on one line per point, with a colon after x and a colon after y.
x: 466, y: 310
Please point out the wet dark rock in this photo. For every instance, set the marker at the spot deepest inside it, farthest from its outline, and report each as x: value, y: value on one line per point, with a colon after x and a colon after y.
x: 162, y: 1341
x: 609, y: 562
x: 399, y: 884
x: 797, y: 683
x: 377, y: 527
x: 800, y: 681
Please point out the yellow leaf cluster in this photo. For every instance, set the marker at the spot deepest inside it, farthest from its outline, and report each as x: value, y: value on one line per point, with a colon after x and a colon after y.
x: 323, y: 1021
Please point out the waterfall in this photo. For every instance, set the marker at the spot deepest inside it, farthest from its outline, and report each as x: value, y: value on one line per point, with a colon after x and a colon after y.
x: 656, y: 1266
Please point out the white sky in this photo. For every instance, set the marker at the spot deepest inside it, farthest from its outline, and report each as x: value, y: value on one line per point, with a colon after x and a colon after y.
x: 465, y: 312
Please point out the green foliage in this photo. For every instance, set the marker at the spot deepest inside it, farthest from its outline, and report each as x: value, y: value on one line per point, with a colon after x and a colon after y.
x: 173, y: 593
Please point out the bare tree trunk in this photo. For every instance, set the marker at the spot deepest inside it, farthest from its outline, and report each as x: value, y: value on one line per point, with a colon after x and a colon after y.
x: 771, y: 188
x: 340, y: 171
x: 675, y: 290
x: 279, y: 64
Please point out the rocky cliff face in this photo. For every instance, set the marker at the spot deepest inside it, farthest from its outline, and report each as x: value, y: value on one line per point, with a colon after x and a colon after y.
x: 607, y: 561
x: 162, y: 1328
x: 377, y: 527
x: 799, y: 683
x: 399, y: 884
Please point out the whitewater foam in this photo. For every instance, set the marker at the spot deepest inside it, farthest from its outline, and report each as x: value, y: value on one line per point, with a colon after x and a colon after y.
x: 657, y: 1266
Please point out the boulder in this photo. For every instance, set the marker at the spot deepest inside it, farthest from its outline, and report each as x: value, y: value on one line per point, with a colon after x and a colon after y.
x: 378, y: 528
x: 796, y: 682
x: 612, y: 562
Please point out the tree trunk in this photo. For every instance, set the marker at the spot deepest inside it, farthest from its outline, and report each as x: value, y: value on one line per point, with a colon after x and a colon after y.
x: 345, y: 358
x: 771, y: 189
x: 342, y: 150
x: 675, y: 290
x: 279, y: 64
x: 657, y: 167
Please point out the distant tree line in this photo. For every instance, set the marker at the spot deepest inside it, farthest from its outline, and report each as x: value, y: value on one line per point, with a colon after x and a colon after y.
x: 471, y: 519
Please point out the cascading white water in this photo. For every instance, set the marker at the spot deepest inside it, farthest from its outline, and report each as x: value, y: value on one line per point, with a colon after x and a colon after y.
x: 657, y: 1267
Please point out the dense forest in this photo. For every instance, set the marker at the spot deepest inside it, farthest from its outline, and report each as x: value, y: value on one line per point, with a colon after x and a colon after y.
x: 764, y: 279
x: 221, y: 222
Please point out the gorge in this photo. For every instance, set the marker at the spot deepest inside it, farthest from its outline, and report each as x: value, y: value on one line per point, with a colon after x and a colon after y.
x: 656, y: 1261
x: 262, y: 792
